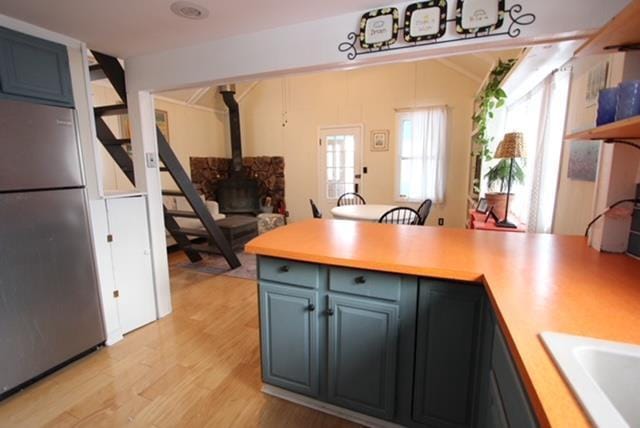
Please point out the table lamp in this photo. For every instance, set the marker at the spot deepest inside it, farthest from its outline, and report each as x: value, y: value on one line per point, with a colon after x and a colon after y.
x: 511, y: 147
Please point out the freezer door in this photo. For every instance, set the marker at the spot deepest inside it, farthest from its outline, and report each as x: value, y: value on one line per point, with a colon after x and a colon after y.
x: 49, y: 304
x: 38, y: 148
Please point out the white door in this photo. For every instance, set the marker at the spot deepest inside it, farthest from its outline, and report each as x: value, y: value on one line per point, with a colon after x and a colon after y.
x: 132, y: 271
x: 339, y: 164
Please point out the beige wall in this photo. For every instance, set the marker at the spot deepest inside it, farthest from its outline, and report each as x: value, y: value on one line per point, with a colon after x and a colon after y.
x: 365, y: 96
x: 193, y: 131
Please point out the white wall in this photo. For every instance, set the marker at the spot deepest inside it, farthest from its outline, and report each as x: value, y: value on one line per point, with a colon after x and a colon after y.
x: 314, y: 45
x: 367, y: 96
x: 580, y: 201
x: 574, y: 206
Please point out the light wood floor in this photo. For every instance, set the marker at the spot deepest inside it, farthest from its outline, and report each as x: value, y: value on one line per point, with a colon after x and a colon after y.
x: 197, y: 367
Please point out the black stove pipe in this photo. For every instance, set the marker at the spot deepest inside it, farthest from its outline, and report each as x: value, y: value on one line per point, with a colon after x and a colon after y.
x: 228, y: 95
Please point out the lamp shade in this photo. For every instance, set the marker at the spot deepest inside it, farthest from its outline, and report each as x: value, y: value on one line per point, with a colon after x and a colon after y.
x: 512, y: 146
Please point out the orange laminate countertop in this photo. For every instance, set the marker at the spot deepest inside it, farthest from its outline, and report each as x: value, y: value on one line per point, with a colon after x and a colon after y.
x: 536, y: 283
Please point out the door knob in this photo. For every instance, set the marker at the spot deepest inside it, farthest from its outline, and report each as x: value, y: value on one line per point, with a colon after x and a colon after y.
x: 330, y: 312
x: 311, y: 307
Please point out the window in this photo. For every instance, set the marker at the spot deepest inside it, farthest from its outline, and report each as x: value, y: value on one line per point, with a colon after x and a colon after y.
x: 422, y: 143
x: 341, y: 157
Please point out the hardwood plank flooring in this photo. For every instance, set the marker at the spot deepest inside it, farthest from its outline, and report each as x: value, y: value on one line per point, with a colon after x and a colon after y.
x: 198, y: 367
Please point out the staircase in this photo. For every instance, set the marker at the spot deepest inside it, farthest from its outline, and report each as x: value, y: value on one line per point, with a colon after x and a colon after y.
x: 111, y: 68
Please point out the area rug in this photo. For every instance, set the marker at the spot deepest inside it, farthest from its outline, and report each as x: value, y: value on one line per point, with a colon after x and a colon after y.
x: 217, y: 265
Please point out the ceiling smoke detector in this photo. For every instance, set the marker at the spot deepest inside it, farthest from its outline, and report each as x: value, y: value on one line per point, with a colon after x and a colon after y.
x: 186, y: 9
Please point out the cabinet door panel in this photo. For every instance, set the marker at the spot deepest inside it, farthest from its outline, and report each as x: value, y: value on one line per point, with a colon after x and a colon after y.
x: 34, y: 68
x: 131, y: 255
x: 447, y: 353
x: 514, y: 397
x: 289, y: 334
x: 362, y: 355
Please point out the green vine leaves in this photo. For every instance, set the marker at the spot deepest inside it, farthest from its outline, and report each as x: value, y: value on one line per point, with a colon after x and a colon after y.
x: 489, y: 100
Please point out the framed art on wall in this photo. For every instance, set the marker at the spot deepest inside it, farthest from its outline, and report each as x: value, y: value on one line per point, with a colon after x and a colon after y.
x: 425, y: 20
x: 380, y: 140
x: 476, y: 16
x: 162, y: 122
x: 583, y: 160
x: 379, y: 28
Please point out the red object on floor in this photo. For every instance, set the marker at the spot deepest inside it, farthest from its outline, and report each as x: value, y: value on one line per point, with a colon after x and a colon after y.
x: 477, y: 221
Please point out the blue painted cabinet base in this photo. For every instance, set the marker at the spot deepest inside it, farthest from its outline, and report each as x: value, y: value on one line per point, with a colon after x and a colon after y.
x: 418, y: 352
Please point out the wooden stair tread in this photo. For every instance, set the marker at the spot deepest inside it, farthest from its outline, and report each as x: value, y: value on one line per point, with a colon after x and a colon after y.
x: 204, y: 248
x: 193, y: 232
x: 111, y: 110
x: 116, y: 142
x: 172, y: 193
x: 178, y: 213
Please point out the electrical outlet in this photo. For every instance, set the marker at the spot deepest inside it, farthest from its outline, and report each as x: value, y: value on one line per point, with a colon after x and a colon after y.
x: 440, y: 221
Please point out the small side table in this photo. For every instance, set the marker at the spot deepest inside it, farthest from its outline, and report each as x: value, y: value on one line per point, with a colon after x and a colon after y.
x: 477, y: 221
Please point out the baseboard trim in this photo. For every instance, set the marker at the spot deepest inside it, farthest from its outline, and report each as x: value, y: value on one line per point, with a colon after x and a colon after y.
x: 330, y: 409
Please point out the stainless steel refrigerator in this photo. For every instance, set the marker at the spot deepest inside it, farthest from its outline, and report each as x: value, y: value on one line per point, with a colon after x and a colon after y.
x: 49, y: 303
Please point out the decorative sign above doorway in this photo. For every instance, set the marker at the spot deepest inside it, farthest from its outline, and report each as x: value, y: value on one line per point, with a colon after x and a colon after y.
x: 426, y: 23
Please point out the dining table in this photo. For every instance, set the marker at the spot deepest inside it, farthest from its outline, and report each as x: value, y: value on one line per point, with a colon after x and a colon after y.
x: 367, y: 212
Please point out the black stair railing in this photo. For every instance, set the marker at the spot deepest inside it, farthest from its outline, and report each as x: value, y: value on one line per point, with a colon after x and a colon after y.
x: 217, y: 242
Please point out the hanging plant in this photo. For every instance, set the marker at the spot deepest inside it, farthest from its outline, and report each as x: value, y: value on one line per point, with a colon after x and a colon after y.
x: 491, y: 98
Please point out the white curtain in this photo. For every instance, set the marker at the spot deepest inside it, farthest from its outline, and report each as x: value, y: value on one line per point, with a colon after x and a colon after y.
x: 540, y: 116
x: 423, y: 152
x: 549, y: 152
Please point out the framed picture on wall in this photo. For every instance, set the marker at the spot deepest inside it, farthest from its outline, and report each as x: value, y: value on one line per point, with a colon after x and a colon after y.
x: 477, y: 16
x: 425, y: 20
x: 162, y: 122
x: 380, y: 140
x: 379, y: 28
x: 596, y: 80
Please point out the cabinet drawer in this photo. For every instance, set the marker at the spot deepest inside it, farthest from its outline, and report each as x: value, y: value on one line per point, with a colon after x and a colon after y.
x: 289, y: 272
x: 514, y: 398
x: 365, y: 283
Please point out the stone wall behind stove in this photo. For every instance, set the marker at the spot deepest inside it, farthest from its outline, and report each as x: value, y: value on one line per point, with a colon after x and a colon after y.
x: 268, y: 170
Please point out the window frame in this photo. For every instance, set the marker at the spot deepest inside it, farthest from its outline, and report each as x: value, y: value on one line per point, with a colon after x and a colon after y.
x: 401, y: 115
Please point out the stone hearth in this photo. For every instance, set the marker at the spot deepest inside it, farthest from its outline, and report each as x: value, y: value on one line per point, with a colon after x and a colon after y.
x: 268, y: 170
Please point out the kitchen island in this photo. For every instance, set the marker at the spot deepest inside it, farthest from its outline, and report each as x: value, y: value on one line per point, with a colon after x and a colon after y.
x: 530, y: 283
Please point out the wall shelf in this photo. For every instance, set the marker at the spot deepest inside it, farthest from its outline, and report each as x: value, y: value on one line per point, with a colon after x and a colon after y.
x: 627, y: 129
x: 621, y: 33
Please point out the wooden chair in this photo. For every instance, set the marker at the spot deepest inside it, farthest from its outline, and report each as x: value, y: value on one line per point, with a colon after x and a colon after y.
x: 401, y: 215
x: 351, y: 199
x: 423, y: 210
x: 314, y: 210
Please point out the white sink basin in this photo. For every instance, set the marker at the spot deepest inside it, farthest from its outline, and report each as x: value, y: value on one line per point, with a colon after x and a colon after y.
x: 605, y: 376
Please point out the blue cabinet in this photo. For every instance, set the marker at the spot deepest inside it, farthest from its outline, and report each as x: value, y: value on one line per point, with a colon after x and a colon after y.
x: 419, y: 352
x: 510, y: 392
x: 289, y: 337
x: 34, y: 69
x: 448, y: 351
x: 362, y: 351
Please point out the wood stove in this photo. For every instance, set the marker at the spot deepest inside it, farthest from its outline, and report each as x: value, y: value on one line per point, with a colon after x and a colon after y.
x: 238, y: 194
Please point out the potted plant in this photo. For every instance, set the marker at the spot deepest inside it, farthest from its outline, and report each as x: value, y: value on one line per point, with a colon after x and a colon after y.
x: 497, y: 178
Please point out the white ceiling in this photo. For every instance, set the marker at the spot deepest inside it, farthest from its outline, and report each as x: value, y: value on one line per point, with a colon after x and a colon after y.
x: 127, y: 28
